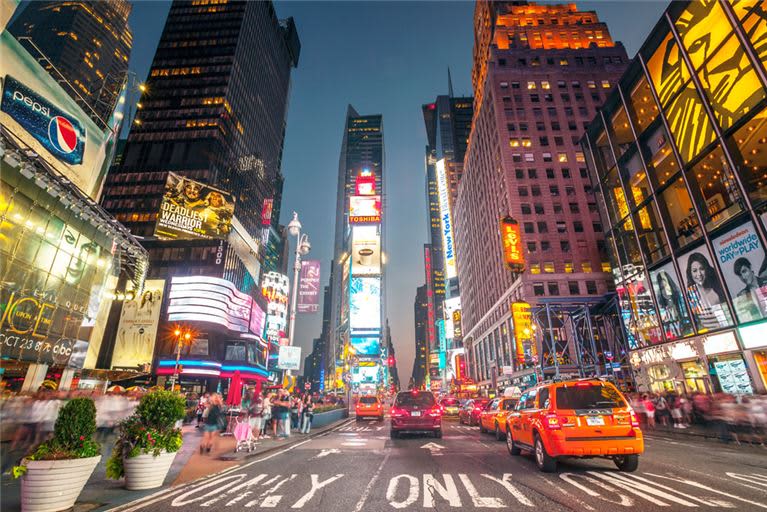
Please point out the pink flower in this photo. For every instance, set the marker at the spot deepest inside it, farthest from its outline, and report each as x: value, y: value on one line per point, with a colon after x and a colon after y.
x: 82, y: 438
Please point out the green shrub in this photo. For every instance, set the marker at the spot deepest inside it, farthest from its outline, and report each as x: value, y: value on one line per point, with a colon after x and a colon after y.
x: 149, y: 430
x: 72, y: 435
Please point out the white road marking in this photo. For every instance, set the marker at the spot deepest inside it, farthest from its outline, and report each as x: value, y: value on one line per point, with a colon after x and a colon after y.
x: 709, y: 489
x: 270, y: 500
x: 369, y: 486
x: 505, y: 482
x: 709, y: 502
x: 354, y: 443
x: 448, y: 491
x: 648, y: 493
x: 245, y: 485
x: 316, y: 486
x: 182, y: 500
x: 754, y: 478
x: 325, y: 453
x: 413, y: 491
x: 476, y: 499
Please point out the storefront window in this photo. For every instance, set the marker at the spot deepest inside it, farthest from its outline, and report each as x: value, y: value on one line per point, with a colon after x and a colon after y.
x: 716, y: 183
x: 748, y: 147
x: 670, y: 295
x: 656, y: 149
x: 652, y: 238
x: 705, y: 292
x: 677, y: 207
x: 660, y: 379
x: 622, y: 137
x: 731, y: 374
x: 644, y: 109
x: 694, y: 377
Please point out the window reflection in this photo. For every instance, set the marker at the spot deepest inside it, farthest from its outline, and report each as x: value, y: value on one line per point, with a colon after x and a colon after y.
x: 661, y: 162
x: 652, y: 239
x: 622, y: 135
x: 614, y: 196
x: 603, y: 152
x: 636, y: 177
x: 749, y: 149
x: 628, y: 248
x: 716, y: 182
x: 677, y: 206
x: 644, y: 109
x: 638, y: 311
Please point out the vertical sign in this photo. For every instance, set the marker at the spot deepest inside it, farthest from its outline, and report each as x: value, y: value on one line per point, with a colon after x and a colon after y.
x: 309, y: 287
x: 266, y: 212
x: 523, y: 330
x: 447, y: 221
x: 512, y: 244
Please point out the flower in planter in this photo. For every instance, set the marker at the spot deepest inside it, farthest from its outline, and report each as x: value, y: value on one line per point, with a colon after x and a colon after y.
x: 149, y: 430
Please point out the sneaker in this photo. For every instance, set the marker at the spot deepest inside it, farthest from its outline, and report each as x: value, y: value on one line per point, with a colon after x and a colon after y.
x: 682, y: 426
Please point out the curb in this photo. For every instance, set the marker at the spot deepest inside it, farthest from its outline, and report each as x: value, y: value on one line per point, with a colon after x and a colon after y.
x: 229, y: 457
x: 701, y: 436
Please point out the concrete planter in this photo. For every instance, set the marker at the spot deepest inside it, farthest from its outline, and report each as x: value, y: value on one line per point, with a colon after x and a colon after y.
x: 54, y: 485
x: 326, y: 418
x: 147, y: 471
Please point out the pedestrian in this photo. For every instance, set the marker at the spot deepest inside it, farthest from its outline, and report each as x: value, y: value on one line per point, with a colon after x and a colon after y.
x: 649, y: 408
x: 307, y: 414
x: 267, y: 415
x: 661, y: 410
x: 295, y: 410
x: 256, y: 412
x: 202, y: 404
x: 215, y: 421
x: 281, y: 412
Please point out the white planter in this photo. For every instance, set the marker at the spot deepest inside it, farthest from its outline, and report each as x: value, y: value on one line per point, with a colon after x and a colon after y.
x: 53, y: 485
x: 147, y: 471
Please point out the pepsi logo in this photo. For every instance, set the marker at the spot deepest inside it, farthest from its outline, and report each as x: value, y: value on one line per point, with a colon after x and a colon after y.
x: 62, y: 134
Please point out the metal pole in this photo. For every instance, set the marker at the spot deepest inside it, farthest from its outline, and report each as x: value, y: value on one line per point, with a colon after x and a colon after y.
x: 294, y: 297
x: 175, y: 368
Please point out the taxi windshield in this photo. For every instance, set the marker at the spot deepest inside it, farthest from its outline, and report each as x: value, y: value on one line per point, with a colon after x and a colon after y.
x: 589, y: 397
x: 412, y: 399
x: 368, y: 400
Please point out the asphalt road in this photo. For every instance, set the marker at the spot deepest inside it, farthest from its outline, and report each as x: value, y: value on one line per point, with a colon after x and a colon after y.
x: 358, y: 468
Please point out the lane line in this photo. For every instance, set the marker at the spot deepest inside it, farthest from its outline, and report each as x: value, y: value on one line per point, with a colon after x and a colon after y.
x: 369, y: 487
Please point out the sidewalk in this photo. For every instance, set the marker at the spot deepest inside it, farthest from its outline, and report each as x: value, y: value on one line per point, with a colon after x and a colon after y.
x: 710, y: 433
x: 102, y: 494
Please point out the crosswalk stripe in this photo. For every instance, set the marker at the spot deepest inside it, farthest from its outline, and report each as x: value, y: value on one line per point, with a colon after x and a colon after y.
x: 708, y: 488
x: 711, y: 503
x: 635, y: 488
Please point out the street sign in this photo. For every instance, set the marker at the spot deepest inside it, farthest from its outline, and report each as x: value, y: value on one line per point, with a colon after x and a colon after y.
x: 608, y: 355
x: 307, y: 385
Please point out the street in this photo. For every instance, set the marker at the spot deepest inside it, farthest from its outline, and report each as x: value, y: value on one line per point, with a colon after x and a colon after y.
x: 357, y: 467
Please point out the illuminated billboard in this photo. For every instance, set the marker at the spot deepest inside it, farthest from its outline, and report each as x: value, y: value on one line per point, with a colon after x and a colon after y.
x: 511, y: 238
x: 274, y: 288
x: 522, y: 320
x: 190, y: 210
x: 137, y: 330
x: 39, y: 114
x: 450, y: 306
x: 210, y: 300
x: 447, y: 220
x: 368, y: 346
x: 366, y: 250
x: 365, y: 183
x: 364, y: 209
x: 365, y: 303
x: 365, y: 374
x: 289, y: 358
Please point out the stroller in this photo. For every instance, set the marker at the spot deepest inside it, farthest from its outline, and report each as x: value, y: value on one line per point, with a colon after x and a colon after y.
x: 244, y: 435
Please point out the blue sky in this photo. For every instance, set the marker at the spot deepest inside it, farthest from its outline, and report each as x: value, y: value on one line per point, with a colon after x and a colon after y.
x: 387, y: 58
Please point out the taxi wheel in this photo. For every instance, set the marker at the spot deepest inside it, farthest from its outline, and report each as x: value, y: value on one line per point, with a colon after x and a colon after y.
x: 627, y: 463
x: 498, y: 433
x: 481, y: 427
x: 359, y: 419
x: 393, y: 434
x: 513, y: 448
x: 543, y: 460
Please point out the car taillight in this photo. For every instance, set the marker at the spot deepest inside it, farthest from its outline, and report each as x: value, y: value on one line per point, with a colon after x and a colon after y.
x: 583, y: 384
x: 396, y: 412
x: 435, y: 411
x: 551, y: 421
x: 634, y: 419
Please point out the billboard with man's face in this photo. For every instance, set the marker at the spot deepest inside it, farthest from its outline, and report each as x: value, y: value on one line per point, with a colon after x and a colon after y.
x: 191, y: 210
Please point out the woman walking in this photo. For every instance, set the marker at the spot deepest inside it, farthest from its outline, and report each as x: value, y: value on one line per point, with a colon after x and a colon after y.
x: 213, y: 423
x: 306, y: 415
x: 267, y: 415
x: 255, y: 413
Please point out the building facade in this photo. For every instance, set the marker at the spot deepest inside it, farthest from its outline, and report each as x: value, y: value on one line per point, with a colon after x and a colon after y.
x: 539, y: 76
x: 678, y: 156
x: 358, y: 277
x: 83, y: 44
x: 201, y: 182
x: 421, y: 318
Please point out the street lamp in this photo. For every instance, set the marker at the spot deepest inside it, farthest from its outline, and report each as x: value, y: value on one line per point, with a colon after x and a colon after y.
x: 181, y: 337
x: 302, y: 249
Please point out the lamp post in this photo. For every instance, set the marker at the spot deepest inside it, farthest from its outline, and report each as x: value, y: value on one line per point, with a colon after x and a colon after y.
x: 302, y: 249
x: 179, y: 337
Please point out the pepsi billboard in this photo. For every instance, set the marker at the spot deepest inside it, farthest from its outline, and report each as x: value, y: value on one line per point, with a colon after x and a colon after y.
x: 61, y: 134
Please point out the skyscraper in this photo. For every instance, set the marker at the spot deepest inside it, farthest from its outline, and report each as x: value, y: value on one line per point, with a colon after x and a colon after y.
x: 539, y: 74
x: 358, y: 286
x: 448, y: 125
x: 86, y: 44
x: 200, y: 179
x: 421, y: 318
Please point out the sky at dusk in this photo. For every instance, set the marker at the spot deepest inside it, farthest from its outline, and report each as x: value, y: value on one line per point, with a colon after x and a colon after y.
x: 383, y: 58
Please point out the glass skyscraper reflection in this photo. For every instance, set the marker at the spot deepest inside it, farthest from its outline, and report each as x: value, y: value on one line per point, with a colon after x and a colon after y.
x: 678, y: 154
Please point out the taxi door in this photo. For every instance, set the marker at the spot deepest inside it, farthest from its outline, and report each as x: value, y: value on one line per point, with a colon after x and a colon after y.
x: 526, y: 417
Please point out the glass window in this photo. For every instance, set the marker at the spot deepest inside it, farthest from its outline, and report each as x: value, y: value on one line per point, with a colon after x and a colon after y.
x: 636, y: 181
x: 621, y: 131
x: 573, y: 288
x: 617, y: 206
x: 716, y: 183
x: 643, y: 107
x: 603, y: 153
x: 676, y: 207
x: 660, y: 159
x: 626, y: 244
x: 638, y: 312
x: 751, y: 12
x: 748, y: 147
x: 702, y: 26
x: 652, y: 240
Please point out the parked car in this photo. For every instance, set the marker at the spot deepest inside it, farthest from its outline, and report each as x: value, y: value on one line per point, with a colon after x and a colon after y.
x: 369, y: 406
x: 415, y: 411
x: 469, y: 413
x: 493, y: 418
x: 584, y: 418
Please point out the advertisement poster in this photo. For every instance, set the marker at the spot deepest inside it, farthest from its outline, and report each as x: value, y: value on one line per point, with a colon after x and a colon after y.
x: 257, y: 319
x: 364, y: 209
x: 742, y: 259
x: 365, y: 303
x: 366, y: 251
x: 190, y: 210
x: 447, y: 221
x: 733, y: 377
x: 366, y: 346
x: 309, y: 287
x: 137, y: 330
x: 670, y: 295
x: 289, y: 358
x: 210, y: 300
x: 522, y: 320
x: 705, y: 293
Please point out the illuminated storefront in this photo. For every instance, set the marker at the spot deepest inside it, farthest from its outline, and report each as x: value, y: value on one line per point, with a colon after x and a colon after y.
x: 679, y: 153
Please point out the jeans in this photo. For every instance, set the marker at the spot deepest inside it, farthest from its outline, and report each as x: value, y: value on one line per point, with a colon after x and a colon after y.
x: 283, y: 428
x: 264, y: 423
x: 306, y: 423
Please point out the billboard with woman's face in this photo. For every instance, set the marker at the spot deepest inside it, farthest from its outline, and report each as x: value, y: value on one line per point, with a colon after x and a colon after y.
x: 670, y: 296
x: 705, y: 292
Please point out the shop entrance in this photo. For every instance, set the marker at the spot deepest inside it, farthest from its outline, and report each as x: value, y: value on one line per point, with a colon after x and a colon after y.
x: 695, y: 377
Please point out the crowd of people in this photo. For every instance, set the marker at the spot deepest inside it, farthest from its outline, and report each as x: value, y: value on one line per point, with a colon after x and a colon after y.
x: 736, y: 418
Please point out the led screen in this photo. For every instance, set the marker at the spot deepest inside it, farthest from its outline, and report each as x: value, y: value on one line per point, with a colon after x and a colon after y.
x: 364, y: 303
x: 367, y: 346
x: 364, y: 209
x: 366, y: 250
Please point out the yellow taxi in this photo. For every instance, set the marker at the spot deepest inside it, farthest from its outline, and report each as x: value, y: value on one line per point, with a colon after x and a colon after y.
x: 584, y: 418
x: 493, y: 418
